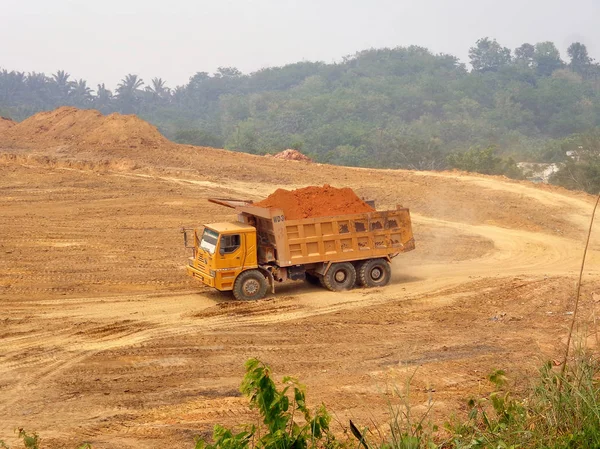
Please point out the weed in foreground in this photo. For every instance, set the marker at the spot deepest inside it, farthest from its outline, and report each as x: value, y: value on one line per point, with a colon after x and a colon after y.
x: 562, y: 411
x: 406, y: 430
x: 287, y: 423
x: 32, y: 441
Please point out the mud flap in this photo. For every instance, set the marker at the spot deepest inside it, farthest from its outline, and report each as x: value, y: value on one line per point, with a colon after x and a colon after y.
x: 271, y: 280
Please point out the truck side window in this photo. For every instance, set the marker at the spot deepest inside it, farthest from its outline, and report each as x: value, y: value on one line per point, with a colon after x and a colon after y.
x: 230, y: 243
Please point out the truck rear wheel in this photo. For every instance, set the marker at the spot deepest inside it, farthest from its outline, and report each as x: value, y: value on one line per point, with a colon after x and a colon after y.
x: 341, y: 276
x: 250, y: 285
x: 374, y: 273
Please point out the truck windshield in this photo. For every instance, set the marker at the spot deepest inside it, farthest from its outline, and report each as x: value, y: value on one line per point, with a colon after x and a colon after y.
x: 209, y: 240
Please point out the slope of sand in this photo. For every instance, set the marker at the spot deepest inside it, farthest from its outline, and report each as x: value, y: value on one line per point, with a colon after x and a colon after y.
x: 6, y: 123
x: 104, y: 338
x: 82, y: 128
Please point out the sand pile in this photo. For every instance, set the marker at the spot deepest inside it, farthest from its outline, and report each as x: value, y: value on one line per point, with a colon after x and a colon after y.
x: 315, y: 202
x: 292, y: 155
x: 6, y: 123
x: 83, y: 128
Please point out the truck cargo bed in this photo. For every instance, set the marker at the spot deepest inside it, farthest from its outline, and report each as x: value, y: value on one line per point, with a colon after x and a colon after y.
x: 326, y: 239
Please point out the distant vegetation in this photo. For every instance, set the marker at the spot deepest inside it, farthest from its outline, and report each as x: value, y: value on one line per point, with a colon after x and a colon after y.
x: 402, y: 107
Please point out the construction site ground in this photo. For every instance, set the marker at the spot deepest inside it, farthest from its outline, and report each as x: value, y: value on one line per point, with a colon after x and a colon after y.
x: 103, y: 338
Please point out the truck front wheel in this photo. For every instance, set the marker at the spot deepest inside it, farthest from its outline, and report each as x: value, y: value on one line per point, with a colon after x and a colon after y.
x: 341, y: 276
x: 250, y: 285
x: 374, y: 273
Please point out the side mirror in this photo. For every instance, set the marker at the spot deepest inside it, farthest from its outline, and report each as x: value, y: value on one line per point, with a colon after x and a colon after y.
x: 222, y: 251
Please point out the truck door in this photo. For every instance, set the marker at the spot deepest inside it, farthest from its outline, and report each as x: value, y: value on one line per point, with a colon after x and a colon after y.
x: 231, y: 251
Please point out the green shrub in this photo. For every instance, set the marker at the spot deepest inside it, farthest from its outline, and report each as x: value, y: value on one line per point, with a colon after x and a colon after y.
x: 279, y: 410
x: 562, y: 411
x: 484, y: 161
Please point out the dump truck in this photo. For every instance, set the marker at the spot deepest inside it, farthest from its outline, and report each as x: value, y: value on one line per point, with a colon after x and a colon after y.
x: 249, y: 256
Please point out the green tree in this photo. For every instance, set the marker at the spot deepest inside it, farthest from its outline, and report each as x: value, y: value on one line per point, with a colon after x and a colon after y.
x: 81, y: 95
x: 129, y: 93
x: 158, y: 90
x: 485, y: 161
x: 103, y: 99
x: 547, y: 58
x: 525, y: 55
x: 198, y: 137
x: 581, y: 168
x: 488, y: 55
x: 61, y: 87
x: 580, y: 60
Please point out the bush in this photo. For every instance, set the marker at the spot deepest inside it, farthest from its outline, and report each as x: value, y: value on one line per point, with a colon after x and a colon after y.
x: 199, y: 138
x: 279, y: 410
x: 562, y: 411
x: 484, y: 161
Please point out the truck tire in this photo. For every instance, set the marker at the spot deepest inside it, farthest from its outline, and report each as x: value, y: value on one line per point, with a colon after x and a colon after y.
x: 374, y: 273
x: 341, y: 276
x: 250, y: 285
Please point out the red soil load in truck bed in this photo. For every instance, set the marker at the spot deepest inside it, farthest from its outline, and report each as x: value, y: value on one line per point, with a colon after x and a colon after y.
x: 314, y: 201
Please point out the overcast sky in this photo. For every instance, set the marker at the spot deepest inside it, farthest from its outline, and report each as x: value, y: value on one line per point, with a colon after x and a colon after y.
x: 101, y: 41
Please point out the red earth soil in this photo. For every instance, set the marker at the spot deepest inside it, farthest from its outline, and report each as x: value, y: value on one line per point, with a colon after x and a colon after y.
x: 315, y: 201
x: 292, y: 155
x: 82, y: 128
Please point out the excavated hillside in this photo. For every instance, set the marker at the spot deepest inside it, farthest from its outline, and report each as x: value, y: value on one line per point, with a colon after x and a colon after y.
x: 105, y: 339
x: 82, y: 128
x: 6, y: 123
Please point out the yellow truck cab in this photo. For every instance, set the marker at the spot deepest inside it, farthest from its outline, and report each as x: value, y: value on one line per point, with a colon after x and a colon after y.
x: 222, y: 251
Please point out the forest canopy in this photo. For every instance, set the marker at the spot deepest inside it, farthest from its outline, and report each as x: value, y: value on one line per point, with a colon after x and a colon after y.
x: 402, y: 107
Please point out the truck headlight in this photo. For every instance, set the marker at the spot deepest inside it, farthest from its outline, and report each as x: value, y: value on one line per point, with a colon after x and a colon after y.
x: 213, y: 273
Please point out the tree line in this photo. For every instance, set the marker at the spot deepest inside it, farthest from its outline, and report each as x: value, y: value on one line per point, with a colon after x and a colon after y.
x: 399, y: 107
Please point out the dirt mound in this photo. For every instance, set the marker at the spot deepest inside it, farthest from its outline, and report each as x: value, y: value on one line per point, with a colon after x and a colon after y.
x: 315, y: 202
x: 6, y: 123
x: 292, y: 155
x: 83, y: 128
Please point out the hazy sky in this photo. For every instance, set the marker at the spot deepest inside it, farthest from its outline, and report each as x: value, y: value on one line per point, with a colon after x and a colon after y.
x: 101, y: 41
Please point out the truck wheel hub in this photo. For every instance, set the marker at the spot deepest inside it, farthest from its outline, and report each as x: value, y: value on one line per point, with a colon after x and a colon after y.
x: 251, y: 286
x: 340, y: 276
x: 376, y: 273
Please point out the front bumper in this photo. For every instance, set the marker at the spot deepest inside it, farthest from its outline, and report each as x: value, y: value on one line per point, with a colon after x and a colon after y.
x: 201, y: 276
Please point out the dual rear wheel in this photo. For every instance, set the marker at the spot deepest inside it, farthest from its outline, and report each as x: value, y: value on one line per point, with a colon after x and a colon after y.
x: 368, y: 273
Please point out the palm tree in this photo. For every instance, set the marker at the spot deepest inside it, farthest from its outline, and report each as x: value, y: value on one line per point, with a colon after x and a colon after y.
x: 179, y: 94
x: 129, y: 93
x: 103, y: 98
x: 12, y: 86
x: 61, y: 86
x: 129, y: 85
x: 81, y: 94
x: 158, y: 88
x: 157, y: 94
x: 38, y: 90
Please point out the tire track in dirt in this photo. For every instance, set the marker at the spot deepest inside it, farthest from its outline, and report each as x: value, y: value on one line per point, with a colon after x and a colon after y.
x: 54, y: 338
x: 517, y: 252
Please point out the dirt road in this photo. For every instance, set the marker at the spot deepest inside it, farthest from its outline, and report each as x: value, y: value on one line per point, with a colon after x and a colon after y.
x: 104, y: 338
